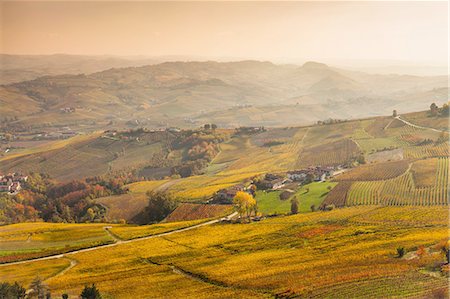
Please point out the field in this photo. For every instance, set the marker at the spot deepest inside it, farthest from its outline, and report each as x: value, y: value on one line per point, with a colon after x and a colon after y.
x: 375, y: 172
x: 128, y: 232
x: 308, y: 195
x: 344, y: 253
x: 422, y: 119
x: 329, y: 154
x: 124, y: 206
x: 31, y: 240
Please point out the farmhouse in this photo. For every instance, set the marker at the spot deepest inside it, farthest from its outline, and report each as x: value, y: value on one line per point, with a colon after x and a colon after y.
x: 226, y: 195
x: 273, y: 181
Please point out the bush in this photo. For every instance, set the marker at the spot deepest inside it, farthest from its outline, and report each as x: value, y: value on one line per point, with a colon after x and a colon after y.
x: 294, y: 205
x: 329, y: 207
x: 285, y: 195
x: 400, y: 252
x: 90, y: 293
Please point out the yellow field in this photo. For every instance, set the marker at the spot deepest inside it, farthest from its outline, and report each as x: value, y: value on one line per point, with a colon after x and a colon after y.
x: 345, y: 253
x: 131, y: 232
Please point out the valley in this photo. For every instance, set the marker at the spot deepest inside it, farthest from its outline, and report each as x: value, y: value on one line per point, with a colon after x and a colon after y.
x: 377, y: 184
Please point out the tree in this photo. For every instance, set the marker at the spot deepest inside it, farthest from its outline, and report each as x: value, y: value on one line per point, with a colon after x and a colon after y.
x: 38, y: 288
x: 15, y: 291
x: 444, y: 110
x: 361, y: 159
x: 245, y: 203
x: 434, y: 109
x: 90, y: 292
x: 213, y: 127
x: 394, y: 113
x: 207, y: 126
x: 313, y: 208
x: 160, y: 205
x: 294, y: 205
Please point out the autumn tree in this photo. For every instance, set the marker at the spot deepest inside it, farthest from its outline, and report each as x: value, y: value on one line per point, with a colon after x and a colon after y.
x: 160, y: 205
x: 245, y: 203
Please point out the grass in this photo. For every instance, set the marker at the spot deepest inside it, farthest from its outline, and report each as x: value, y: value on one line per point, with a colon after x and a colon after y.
x: 315, y: 196
x: 270, y: 202
x: 347, y: 252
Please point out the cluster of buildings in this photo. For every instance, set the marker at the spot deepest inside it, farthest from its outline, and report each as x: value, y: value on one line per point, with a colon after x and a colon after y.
x: 67, y: 110
x: 272, y: 181
x: 313, y: 173
x: 11, y: 182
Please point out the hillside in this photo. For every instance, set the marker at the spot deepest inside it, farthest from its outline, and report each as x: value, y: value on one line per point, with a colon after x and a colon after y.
x: 189, y: 93
x: 287, y: 257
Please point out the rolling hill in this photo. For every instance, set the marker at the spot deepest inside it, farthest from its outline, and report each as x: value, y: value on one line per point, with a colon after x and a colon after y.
x: 190, y: 93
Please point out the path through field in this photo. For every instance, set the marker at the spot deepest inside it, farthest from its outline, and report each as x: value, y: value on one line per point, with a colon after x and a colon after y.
x: 418, y: 127
x: 164, y: 187
x: 118, y: 242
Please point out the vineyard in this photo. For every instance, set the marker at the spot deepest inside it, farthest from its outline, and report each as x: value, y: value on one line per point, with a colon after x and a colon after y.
x: 330, y: 154
x: 375, y: 172
x: 402, y: 190
x: 338, y: 195
x: 31, y: 240
x: 307, y: 256
x: 425, y: 172
x: 189, y: 211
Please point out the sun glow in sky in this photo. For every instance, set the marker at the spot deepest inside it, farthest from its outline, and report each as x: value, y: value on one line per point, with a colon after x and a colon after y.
x: 280, y: 31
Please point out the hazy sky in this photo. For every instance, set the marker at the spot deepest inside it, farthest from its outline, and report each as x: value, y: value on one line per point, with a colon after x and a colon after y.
x: 279, y: 31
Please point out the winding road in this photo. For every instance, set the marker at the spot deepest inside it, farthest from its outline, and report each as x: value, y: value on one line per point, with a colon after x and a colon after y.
x: 418, y: 127
x: 118, y: 242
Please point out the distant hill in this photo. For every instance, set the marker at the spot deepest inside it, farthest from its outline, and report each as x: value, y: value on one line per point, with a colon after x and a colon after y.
x: 191, y: 93
x: 17, y: 68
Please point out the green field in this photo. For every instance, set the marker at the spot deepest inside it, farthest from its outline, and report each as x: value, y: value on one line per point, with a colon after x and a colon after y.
x: 270, y: 203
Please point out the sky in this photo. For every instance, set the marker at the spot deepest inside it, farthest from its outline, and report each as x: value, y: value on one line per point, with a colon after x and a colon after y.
x: 286, y: 32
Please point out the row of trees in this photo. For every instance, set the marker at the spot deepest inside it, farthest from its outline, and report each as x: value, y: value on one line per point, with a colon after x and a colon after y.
x: 436, y: 111
x: 39, y: 290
